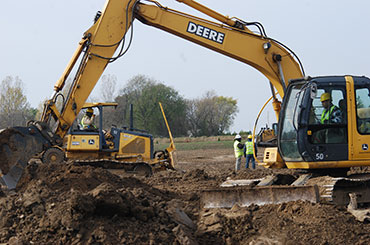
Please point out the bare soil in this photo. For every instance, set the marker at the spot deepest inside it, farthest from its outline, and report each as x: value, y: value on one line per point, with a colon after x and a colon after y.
x: 69, y: 204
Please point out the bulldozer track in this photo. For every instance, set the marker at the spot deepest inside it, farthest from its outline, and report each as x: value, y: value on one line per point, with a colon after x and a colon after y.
x: 132, y: 167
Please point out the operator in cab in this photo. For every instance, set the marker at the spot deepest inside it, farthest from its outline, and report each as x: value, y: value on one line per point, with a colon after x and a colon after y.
x: 87, y: 121
x: 331, y: 113
x: 334, y: 116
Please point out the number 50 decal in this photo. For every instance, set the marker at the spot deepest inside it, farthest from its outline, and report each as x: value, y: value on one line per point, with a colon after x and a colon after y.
x: 319, y: 156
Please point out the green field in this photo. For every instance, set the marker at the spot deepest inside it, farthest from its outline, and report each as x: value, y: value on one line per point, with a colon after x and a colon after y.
x: 196, y: 145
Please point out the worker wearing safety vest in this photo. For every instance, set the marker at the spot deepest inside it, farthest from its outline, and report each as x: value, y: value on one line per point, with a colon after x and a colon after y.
x: 238, y: 150
x: 87, y: 122
x: 331, y: 113
x: 248, y: 152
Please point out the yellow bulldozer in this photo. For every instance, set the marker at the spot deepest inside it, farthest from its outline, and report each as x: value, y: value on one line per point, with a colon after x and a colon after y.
x: 125, y: 148
x: 267, y: 137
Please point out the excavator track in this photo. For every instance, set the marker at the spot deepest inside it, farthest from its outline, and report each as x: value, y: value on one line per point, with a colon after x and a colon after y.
x: 337, y: 192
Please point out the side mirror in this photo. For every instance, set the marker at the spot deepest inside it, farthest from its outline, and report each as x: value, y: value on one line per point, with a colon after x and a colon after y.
x: 313, y: 90
x: 275, y: 128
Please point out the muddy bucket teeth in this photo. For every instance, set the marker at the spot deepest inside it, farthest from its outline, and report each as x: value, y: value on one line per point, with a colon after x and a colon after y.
x: 12, y: 177
x: 17, y: 146
x: 246, y: 196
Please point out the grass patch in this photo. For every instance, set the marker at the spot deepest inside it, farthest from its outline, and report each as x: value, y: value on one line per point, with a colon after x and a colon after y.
x: 186, y: 146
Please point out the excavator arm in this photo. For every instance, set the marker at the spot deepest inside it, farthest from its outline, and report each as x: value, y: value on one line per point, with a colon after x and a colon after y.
x: 98, y: 46
x: 231, y: 38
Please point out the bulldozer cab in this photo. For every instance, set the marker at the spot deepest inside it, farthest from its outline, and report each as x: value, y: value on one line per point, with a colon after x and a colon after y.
x: 94, y: 137
x: 97, y: 139
x: 316, y: 135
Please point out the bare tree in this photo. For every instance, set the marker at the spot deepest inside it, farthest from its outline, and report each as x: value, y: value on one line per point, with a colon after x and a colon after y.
x: 191, y: 116
x: 108, y: 87
x: 14, y: 108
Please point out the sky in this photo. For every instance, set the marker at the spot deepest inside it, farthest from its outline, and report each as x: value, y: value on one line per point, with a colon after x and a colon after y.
x: 330, y: 37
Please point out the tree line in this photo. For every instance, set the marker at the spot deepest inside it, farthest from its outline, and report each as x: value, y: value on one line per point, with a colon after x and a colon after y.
x: 208, y: 115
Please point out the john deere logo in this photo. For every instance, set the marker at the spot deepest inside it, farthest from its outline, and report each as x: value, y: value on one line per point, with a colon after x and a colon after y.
x: 206, y: 33
x: 91, y: 141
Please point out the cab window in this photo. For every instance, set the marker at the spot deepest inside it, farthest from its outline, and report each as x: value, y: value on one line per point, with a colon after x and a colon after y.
x: 328, y: 129
x: 363, y: 109
x: 338, y: 99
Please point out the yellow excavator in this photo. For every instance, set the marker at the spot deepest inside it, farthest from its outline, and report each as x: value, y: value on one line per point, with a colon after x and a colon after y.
x: 303, y: 141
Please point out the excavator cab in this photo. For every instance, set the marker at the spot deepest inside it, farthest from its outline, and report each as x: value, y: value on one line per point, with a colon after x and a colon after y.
x: 307, y: 141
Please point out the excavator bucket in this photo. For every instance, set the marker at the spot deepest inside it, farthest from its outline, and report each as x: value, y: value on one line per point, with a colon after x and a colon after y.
x: 245, y: 196
x: 17, y: 146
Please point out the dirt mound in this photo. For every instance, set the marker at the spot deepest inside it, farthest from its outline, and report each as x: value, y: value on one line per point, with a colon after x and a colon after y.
x: 70, y: 205
x: 198, y: 174
x: 290, y: 223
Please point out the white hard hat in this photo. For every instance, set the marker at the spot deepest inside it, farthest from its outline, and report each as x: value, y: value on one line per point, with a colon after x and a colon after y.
x: 237, y: 137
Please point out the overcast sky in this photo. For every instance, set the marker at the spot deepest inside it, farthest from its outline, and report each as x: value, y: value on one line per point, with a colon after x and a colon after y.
x: 330, y: 37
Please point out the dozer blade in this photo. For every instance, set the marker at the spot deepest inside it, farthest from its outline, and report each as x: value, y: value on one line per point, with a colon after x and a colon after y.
x: 246, y: 196
x: 17, y: 146
x: 172, y: 158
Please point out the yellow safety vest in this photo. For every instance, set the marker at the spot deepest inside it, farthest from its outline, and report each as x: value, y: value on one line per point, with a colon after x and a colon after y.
x: 85, y: 125
x: 249, y: 148
x: 237, y: 150
x: 326, y: 114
